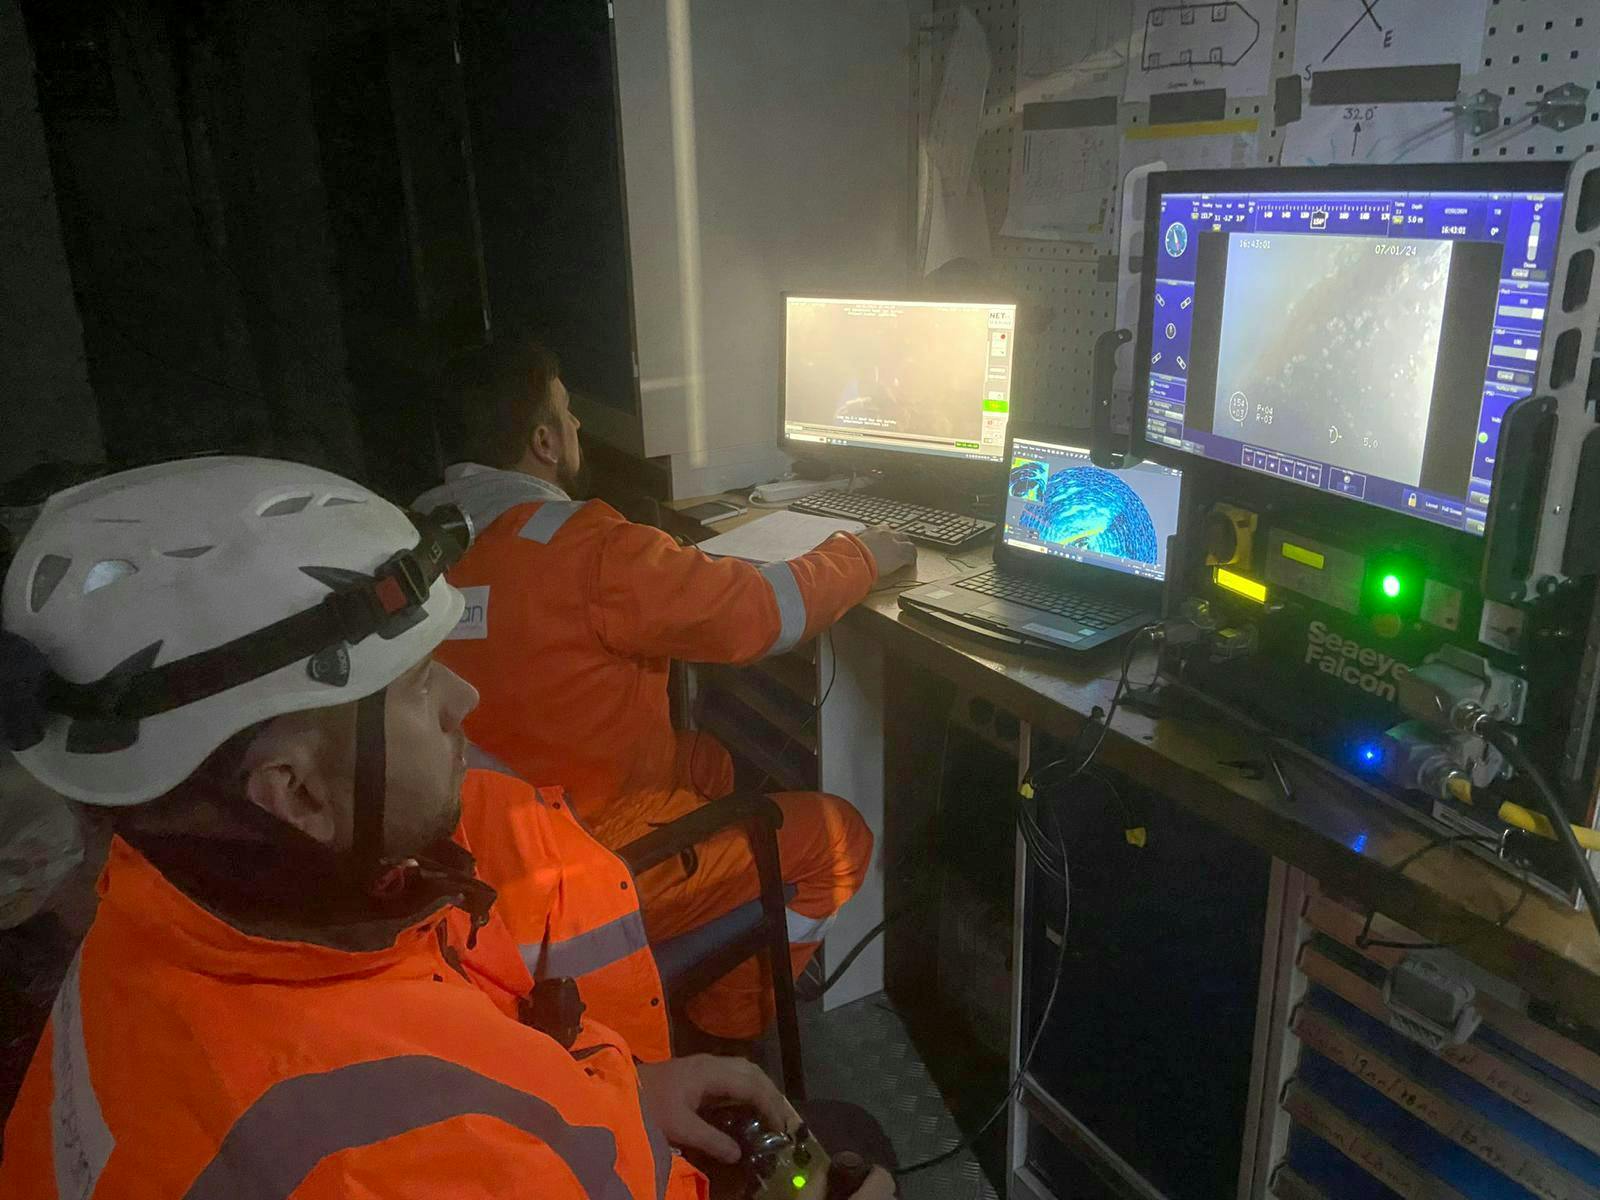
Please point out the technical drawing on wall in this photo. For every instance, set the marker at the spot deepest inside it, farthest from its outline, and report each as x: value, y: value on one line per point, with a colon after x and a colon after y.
x: 1341, y: 35
x: 1052, y: 36
x: 1425, y: 131
x: 1061, y: 177
x: 1182, y: 47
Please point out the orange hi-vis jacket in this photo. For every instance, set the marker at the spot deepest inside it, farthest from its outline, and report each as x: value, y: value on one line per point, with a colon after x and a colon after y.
x: 186, y: 1058
x: 570, y: 904
x: 574, y: 615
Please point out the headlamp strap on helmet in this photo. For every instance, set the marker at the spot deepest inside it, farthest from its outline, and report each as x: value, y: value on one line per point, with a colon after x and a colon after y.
x: 24, y: 677
x: 383, y: 604
x: 371, y: 782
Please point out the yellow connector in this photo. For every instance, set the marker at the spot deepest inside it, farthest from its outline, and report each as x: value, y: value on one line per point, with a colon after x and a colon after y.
x: 1532, y: 822
x: 1460, y: 788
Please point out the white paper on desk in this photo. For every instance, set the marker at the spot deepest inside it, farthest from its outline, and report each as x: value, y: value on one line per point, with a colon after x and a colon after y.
x: 777, y: 537
x: 1179, y: 47
x: 958, y: 112
x: 1372, y: 133
x: 1061, y: 179
x: 1339, y: 35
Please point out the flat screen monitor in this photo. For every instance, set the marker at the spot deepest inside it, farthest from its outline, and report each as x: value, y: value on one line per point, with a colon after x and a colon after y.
x: 1356, y: 331
x: 1059, y: 503
x: 897, y: 377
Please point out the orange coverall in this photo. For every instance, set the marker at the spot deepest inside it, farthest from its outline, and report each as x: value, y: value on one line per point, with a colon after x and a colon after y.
x: 185, y: 1057
x: 569, y: 903
x: 573, y: 617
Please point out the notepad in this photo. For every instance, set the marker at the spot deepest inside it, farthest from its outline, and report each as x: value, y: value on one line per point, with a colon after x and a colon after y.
x: 777, y: 537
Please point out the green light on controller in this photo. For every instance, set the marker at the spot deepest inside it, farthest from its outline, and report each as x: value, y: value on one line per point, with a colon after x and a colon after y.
x: 799, y: 1182
x: 1391, y: 586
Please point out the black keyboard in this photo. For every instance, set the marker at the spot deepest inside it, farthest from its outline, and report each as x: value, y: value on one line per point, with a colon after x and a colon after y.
x: 1092, y: 612
x: 933, y: 526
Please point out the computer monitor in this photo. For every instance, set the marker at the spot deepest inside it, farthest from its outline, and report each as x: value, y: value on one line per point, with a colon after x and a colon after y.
x: 1059, y: 503
x: 1360, y: 331
x: 889, y: 379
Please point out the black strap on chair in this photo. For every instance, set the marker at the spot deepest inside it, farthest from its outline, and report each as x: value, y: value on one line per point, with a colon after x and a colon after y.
x: 760, y: 819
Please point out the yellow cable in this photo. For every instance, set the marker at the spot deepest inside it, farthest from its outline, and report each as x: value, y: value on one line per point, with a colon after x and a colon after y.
x: 1532, y: 822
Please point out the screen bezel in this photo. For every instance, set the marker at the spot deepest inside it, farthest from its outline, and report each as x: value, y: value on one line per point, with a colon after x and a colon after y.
x: 1545, y: 175
x: 1049, y: 565
x: 867, y: 458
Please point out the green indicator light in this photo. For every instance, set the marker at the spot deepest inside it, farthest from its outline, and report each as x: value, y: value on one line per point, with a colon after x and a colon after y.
x: 799, y: 1182
x: 1391, y: 586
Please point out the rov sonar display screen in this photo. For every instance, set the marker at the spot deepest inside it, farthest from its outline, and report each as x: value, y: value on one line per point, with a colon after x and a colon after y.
x: 1361, y: 343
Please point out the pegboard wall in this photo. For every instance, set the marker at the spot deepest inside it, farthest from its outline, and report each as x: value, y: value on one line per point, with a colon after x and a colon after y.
x: 1530, y: 47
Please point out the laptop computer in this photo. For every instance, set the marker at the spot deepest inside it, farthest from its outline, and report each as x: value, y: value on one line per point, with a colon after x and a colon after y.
x: 1081, y: 554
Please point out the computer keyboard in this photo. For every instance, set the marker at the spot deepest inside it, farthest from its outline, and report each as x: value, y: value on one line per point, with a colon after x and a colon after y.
x: 932, y: 526
x: 1092, y: 612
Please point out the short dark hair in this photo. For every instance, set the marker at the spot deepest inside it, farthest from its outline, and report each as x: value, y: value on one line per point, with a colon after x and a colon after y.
x: 500, y: 394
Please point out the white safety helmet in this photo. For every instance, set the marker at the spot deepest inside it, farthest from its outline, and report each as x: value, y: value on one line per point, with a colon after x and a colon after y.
x: 151, y: 615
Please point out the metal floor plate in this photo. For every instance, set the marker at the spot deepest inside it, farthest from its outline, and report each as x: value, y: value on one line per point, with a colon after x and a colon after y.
x: 862, y: 1053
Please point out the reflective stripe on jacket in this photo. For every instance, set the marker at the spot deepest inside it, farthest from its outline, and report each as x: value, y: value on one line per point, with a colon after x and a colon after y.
x: 569, y: 903
x: 574, y: 615
x: 185, y: 1058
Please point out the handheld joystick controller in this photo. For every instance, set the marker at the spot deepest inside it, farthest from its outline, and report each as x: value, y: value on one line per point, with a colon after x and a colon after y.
x: 774, y: 1165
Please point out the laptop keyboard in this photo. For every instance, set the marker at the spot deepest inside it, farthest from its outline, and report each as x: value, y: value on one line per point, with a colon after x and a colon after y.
x: 1091, y: 612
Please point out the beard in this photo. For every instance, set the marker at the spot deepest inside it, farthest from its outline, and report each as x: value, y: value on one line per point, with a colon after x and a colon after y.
x: 577, y: 482
x: 439, y: 825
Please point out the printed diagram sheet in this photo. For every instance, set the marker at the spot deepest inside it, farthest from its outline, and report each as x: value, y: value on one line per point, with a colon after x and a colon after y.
x: 1062, y: 175
x: 1068, y: 49
x: 1372, y: 133
x: 1188, y: 47
x: 1342, y: 35
x: 1196, y: 146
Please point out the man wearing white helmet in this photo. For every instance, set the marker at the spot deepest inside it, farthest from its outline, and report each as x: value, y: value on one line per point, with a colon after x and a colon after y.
x: 295, y: 984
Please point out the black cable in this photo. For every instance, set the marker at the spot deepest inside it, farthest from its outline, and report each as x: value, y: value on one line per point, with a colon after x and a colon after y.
x: 1037, y: 782
x: 1561, y: 825
x: 1064, y: 879
x: 968, y: 1142
x: 1034, y: 837
x: 911, y: 905
x: 1365, y: 939
x: 1037, y: 778
x: 1116, y: 697
x: 855, y: 952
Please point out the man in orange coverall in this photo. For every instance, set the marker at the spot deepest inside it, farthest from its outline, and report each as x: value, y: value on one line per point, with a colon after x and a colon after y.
x: 573, y: 617
x: 294, y: 984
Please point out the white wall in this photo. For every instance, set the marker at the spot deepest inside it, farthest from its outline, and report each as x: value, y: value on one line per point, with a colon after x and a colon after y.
x: 791, y: 121
x: 46, y: 407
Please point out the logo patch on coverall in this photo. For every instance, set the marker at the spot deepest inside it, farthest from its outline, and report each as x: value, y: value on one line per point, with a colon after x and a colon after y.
x: 474, y: 623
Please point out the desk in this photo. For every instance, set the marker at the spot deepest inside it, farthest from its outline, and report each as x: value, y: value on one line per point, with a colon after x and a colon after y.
x: 1332, y: 839
x: 1546, y: 948
x: 1332, y: 830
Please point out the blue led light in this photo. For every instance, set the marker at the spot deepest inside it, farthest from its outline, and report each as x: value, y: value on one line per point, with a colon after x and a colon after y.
x: 1370, y: 754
